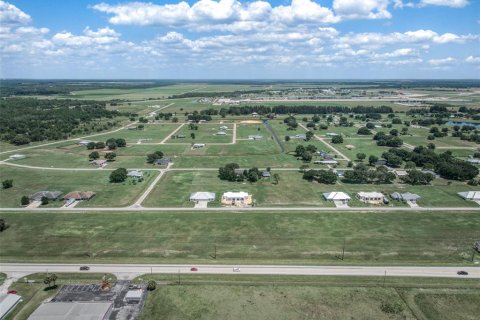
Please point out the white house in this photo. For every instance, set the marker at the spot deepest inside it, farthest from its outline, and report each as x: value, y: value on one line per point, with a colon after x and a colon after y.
x: 198, y: 145
x: 470, y: 195
x: 223, y: 128
x: 336, y: 196
x: 84, y: 142
x: 221, y: 133
x: 331, y: 134
x: 237, y: 198
x: 135, y: 174
x: 255, y: 137
x: 370, y: 197
x: 202, y: 196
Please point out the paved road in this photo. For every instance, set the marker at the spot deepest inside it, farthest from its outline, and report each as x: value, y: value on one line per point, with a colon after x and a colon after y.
x: 129, y: 271
x: 453, y: 210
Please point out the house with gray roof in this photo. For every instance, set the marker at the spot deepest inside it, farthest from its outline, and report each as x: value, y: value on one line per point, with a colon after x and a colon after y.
x: 202, y: 196
x: 470, y: 195
x: 407, y: 197
x: 50, y: 195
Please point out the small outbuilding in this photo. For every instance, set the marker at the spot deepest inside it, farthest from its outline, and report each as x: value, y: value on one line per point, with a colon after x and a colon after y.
x: 198, y: 145
x: 84, y: 142
x: 255, y: 137
x: 17, y: 157
x: 163, y: 161
x: 221, y: 133
x: 134, y: 296
x: 50, y: 195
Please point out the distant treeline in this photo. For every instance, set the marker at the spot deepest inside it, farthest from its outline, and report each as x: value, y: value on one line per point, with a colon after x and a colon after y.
x: 24, y: 120
x: 9, y: 88
x: 303, y: 109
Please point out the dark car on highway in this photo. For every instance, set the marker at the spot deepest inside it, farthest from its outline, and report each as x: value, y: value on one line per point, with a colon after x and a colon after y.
x: 84, y: 268
x: 462, y: 273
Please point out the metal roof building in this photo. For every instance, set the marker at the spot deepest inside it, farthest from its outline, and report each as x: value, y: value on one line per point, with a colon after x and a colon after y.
x: 7, y: 303
x: 202, y: 196
x: 72, y: 311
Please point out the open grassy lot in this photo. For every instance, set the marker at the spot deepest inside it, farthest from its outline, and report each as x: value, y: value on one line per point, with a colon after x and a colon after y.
x: 152, y: 133
x: 33, y: 294
x: 247, y: 237
x: 206, y: 133
x: 28, y: 181
x: 269, y: 302
x: 310, y: 297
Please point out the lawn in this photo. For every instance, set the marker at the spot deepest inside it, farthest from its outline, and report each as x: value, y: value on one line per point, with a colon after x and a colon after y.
x: 152, y: 133
x: 448, y: 304
x: 29, y: 181
x: 241, y: 237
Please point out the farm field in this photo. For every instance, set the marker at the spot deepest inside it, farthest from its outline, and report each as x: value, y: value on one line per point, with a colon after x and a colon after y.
x: 29, y: 181
x: 399, y: 238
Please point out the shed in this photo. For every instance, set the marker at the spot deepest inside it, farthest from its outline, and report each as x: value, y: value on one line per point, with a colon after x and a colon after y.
x: 221, y: 133
x: 255, y: 137
x: 134, y: 296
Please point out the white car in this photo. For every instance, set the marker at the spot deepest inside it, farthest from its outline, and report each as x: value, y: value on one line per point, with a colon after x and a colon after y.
x: 236, y: 269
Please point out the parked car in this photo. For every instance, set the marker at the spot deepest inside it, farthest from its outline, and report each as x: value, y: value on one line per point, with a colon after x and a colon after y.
x: 84, y: 268
x: 12, y: 292
x: 462, y: 273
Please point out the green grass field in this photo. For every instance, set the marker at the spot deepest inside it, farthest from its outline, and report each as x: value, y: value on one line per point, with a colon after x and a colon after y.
x: 29, y: 181
x: 286, y: 297
x: 241, y: 237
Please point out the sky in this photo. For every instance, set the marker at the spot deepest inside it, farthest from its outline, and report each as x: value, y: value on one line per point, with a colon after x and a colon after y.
x: 235, y: 39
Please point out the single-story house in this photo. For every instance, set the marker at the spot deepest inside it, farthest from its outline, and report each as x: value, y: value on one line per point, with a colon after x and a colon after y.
x: 336, y: 196
x: 223, y: 128
x: 79, y: 195
x: 381, y: 162
x: 163, y: 161
x: 8, y: 302
x: 370, y: 197
x: 325, y: 162
x: 84, y: 142
x: 99, y: 162
x: 266, y: 174
x: 255, y: 137
x: 180, y: 136
x: 331, y: 134
x: 470, y: 195
x: 401, y: 173
x: 254, y: 114
x: 135, y: 174
x: 134, y: 296
x: 51, y: 195
x: 198, y: 145
x: 17, y: 157
x: 237, y: 198
x: 221, y: 133
x: 411, y: 197
x: 202, y: 196
x: 340, y: 173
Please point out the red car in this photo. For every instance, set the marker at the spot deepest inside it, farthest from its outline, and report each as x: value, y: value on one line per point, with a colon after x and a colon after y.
x: 193, y: 269
x: 12, y: 292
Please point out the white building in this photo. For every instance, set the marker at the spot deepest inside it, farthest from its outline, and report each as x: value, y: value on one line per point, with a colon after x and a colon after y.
x: 134, y: 296
x: 202, y: 196
x: 255, y: 137
x: 17, y: 157
x: 237, y: 198
x: 135, y: 174
x: 221, y: 133
x: 336, y: 196
x: 470, y: 195
x: 370, y: 197
x: 72, y: 311
x: 84, y: 142
x: 7, y: 303
x: 198, y: 145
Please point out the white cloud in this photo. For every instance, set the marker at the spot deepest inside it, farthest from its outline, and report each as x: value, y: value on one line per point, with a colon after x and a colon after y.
x: 365, y: 9
x: 472, y: 59
x: 11, y: 15
x: 303, y: 11
x: 89, y: 37
x: 442, y: 62
x: 446, y: 3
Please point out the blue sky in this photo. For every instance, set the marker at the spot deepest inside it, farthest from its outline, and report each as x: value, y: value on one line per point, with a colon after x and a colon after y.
x: 226, y: 39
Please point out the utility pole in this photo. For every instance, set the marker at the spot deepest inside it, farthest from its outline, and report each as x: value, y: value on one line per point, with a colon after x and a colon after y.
x: 215, y: 254
x: 384, y: 278
x: 473, y: 254
x: 178, y: 276
x: 343, y: 249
